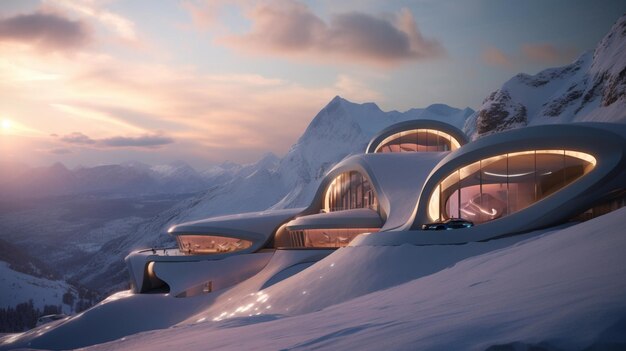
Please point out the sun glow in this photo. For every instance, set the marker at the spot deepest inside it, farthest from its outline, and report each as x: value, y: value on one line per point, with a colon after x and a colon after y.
x: 6, y: 124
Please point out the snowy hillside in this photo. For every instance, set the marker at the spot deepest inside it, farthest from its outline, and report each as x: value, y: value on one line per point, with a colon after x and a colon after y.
x: 340, y: 129
x: 19, y: 287
x: 593, y: 88
x: 539, y: 292
x: 564, y: 289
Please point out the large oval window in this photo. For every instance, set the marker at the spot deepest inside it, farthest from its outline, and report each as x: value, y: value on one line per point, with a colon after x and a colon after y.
x: 418, y: 140
x: 501, y: 185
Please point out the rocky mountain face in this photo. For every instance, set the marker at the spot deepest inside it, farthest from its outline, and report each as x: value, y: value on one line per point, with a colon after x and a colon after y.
x: 340, y: 129
x: 593, y: 88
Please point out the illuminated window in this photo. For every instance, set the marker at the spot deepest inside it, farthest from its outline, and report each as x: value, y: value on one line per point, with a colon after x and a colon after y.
x: 349, y: 191
x: 210, y: 244
x: 324, y: 238
x: 418, y: 140
x: 500, y: 185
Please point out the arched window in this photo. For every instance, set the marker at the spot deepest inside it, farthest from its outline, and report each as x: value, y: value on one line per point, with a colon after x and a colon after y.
x: 210, y: 244
x: 501, y: 185
x: 418, y: 140
x: 350, y: 190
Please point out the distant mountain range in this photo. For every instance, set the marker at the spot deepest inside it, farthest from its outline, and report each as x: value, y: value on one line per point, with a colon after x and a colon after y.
x: 21, y: 181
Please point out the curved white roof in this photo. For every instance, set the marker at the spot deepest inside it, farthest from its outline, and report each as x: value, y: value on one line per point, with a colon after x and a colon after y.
x: 254, y: 226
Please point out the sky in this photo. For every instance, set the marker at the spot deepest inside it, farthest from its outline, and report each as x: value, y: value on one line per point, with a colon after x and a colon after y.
x: 91, y: 82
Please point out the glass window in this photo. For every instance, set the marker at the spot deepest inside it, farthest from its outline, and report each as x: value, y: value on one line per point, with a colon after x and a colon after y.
x: 432, y: 141
x: 450, y: 194
x: 521, y: 178
x: 418, y: 140
x: 550, y: 174
x: 409, y: 141
x: 577, y: 164
x: 210, y: 244
x: 497, y: 186
x: 350, y: 190
x: 470, y: 191
x: 326, y: 238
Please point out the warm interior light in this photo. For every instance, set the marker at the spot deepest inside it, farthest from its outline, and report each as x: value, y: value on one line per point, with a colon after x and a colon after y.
x: 475, y: 192
x: 151, y: 269
x: 508, y: 175
x: 454, y: 144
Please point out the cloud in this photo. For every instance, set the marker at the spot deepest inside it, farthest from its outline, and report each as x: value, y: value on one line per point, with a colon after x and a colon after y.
x: 149, y: 141
x: 77, y: 139
x: 540, y: 53
x: 211, y: 117
x: 114, y: 22
x: 289, y: 28
x: 204, y: 14
x: 495, y: 57
x: 46, y: 31
x: 144, y: 141
x: 547, y: 53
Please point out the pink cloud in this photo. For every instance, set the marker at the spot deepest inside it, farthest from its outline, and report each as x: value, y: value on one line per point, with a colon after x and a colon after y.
x: 289, y: 28
x: 547, y: 53
x: 496, y: 57
x: 149, y: 141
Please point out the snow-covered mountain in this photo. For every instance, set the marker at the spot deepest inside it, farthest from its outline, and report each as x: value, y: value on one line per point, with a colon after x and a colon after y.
x: 21, y: 181
x: 593, y: 88
x: 340, y: 129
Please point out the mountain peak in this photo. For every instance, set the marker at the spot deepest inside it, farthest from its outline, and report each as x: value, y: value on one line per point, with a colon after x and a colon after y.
x: 442, y: 109
x: 610, y: 54
x: 58, y: 167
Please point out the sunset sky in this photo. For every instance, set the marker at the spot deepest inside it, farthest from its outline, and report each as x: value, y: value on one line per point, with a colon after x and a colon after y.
x: 94, y: 82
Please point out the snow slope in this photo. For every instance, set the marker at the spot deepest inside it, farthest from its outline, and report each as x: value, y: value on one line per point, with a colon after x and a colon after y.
x: 565, y: 290
x: 593, y: 88
x: 18, y: 287
x: 346, y: 274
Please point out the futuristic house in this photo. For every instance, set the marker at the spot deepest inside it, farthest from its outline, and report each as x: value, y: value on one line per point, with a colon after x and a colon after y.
x: 364, y: 193
x: 411, y: 173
